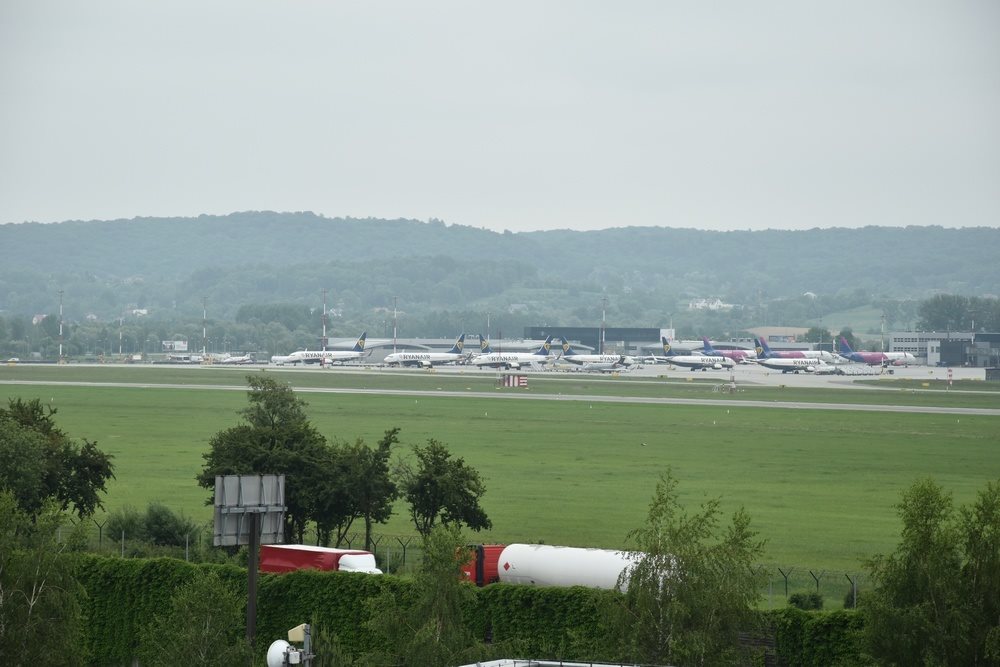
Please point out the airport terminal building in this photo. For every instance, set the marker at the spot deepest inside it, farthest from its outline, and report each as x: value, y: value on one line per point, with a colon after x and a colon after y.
x: 950, y: 348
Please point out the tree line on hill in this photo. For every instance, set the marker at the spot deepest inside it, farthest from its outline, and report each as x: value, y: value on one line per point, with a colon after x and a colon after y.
x: 169, y: 265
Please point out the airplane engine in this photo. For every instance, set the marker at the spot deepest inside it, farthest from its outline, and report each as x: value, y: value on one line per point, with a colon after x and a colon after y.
x: 717, y: 367
x: 810, y: 369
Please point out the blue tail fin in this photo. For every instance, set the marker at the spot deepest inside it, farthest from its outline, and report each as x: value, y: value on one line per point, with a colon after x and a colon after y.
x: 845, y: 347
x: 360, y: 345
x: 708, y: 349
x: 459, y: 345
x: 763, y: 351
x: 667, y: 352
x: 567, y: 351
x: 543, y: 351
x: 484, y: 345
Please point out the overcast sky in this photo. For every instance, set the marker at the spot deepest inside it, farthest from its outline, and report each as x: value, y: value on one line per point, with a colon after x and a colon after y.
x: 505, y: 115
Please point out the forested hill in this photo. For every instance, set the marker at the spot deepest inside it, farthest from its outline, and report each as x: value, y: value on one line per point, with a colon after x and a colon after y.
x: 266, y: 256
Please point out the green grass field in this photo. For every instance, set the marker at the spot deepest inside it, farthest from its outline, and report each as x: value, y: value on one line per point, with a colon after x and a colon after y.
x: 820, y: 485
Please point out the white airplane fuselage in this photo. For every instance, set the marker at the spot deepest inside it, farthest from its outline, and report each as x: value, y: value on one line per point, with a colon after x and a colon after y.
x: 703, y: 362
x: 422, y: 359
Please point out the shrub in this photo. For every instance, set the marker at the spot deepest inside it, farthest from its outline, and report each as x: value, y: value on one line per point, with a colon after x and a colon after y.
x: 165, y: 528
x: 126, y: 520
x: 806, y: 601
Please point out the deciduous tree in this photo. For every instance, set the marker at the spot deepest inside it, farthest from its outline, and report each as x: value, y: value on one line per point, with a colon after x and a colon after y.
x: 442, y: 489
x: 936, y: 598
x: 39, y: 462
x: 692, y: 586
x: 276, y: 438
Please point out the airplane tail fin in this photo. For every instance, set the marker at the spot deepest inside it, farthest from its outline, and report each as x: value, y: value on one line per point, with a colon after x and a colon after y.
x: 845, y: 347
x: 484, y: 345
x: 459, y: 345
x: 666, y: 347
x: 763, y: 351
x: 543, y: 351
x: 707, y: 347
x: 567, y: 350
x: 360, y: 345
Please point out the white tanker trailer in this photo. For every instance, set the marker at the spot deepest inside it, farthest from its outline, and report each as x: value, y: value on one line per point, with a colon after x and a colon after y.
x: 545, y: 565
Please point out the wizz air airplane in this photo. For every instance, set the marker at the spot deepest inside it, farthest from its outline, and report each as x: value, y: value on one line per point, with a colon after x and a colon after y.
x: 604, y: 363
x: 511, y: 360
x: 875, y: 358
x: 428, y: 359
x: 695, y: 362
x: 765, y: 352
x: 739, y: 356
x: 326, y: 356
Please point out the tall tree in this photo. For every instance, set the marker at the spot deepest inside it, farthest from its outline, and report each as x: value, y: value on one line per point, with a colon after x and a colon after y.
x: 39, y: 461
x: 936, y: 599
x: 442, y: 489
x: 374, y: 489
x: 40, y: 618
x: 693, y: 585
x: 277, y: 438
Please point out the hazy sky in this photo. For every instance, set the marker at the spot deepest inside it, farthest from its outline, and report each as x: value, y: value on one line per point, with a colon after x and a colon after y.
x: 516, y: 115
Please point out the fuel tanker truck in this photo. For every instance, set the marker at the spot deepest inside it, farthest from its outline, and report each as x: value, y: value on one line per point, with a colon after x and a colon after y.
x: 547, y: 565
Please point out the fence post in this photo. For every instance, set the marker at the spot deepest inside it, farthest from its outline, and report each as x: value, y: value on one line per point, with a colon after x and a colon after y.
x: 817, y: 578
x: 854, y: 590
x: 123, y: 544
x: 100, y: 533
x: 404, y: 545
x: 786, y: 575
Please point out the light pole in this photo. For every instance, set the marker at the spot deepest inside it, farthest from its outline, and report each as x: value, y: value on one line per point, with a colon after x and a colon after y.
x: 204, y: 324
x: 60, y: 326
x: 323, y: 342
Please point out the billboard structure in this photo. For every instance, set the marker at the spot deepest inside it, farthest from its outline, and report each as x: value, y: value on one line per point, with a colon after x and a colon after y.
x: 240, y: 498
x: 250, y: 510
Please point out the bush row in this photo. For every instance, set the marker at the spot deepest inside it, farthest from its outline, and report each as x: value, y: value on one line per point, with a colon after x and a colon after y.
x: 561, y: 623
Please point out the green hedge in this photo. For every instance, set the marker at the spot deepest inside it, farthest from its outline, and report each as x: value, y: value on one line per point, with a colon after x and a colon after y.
x: 557, y: 623
x: 817, y: 638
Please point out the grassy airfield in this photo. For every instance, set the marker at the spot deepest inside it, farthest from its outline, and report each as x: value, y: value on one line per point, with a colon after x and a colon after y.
x: 820, y: 485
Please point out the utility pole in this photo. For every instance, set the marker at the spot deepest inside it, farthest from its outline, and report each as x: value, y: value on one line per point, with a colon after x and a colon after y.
x: 488, y: 326
x: 121, y: 318
x: 60, y: 326
x: 323, y: 341
x: 204, y: 324
x: 394, y: 325
x: 604, y: 308
x: 883, y: 332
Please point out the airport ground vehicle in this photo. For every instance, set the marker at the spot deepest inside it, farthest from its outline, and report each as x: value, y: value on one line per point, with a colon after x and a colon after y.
x: 290, y: 557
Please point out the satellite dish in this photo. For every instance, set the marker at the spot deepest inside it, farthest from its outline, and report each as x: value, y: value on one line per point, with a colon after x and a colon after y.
x: 276, y: 653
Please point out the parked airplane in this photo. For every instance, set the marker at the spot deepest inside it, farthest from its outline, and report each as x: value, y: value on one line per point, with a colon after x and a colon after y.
x: 765, y: 352
x: 739, y: 356
x: 796, y: 365
x: 326, y: 356
x: 695, y: 361
x: 604, y: 363
x: 875, y: 358
x: 511, y: 359
x: 240, y: 361
x: 428, y: 359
